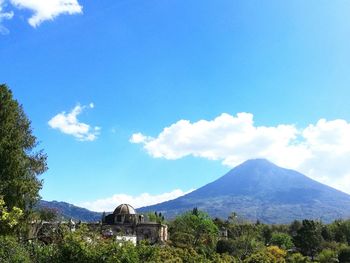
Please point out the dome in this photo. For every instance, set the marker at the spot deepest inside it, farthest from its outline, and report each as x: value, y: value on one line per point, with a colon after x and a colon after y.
x: 124, y: 209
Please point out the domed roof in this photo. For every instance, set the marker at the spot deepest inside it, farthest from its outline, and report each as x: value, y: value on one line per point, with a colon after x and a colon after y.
x: 124, y: 209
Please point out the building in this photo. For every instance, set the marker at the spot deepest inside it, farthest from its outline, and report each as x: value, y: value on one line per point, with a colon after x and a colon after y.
x: 126, y: 224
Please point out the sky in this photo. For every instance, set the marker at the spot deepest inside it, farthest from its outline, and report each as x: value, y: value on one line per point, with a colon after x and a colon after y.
x: 143, y: 101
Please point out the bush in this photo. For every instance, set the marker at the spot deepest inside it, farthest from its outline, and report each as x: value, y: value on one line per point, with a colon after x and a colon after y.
x: 225, y: 246
x: 42, y: 253
x: 259, y: 257
x: 344, y: 255
x: 271, y: 254
x: 277, y: 253
x: 282, y: 240
x: 12, y: 252
x: 298, y: 258
x: 327, y: 256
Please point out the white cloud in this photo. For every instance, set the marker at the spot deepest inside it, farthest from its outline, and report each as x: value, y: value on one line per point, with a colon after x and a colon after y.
x: 47, y: 9
x: 138, y: 138
x: 145, y: 199
x: 68, y: 123
x: 321, y: 150
x: 42, y: 10
x: 4, y: 16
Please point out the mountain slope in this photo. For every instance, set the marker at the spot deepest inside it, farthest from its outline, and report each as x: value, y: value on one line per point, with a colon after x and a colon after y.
x: 69, y: 211
x: 258, y: 189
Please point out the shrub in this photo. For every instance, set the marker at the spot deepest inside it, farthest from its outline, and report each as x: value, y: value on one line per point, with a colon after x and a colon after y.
x: 225, y: 246
x: 271, y: 254
x: 12, y: 252
x: 297, y: 258
x: 344, y: 255
x: 282, y: 240
x: 327, y: 256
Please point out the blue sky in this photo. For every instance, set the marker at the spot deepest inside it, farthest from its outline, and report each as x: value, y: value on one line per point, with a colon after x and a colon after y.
x: 146, y: 65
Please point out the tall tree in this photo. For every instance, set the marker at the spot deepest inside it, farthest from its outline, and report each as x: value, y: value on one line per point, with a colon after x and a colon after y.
x: 308, y: 239
x: 194, y: 229
x: 20, y: 161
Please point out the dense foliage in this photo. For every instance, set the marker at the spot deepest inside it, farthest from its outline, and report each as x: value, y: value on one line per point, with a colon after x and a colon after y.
x: 20, y: 163
x: 194, y: 230
x: 246, y: 242
x: 8, y: 219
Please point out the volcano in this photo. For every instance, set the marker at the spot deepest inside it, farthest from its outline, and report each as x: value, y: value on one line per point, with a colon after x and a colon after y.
x: 260, y: 190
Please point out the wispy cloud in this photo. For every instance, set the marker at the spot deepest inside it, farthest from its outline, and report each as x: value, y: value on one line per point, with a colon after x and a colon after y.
x: 47, y: 9
x: 145, y: 199
x: 320, y: 150
x: 4, y: 16
x: 68, y: 123
x: 42, y: 10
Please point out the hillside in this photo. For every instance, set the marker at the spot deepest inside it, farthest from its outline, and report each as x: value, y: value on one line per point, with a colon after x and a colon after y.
x: 66, y: 211
x: 258, y: 189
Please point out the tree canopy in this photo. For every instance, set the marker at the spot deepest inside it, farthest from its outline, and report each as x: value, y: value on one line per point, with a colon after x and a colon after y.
x: 20, y: 161
x: 194, y: 229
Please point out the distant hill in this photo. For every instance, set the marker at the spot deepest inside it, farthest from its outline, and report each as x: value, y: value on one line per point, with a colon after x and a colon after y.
x: 258, y: 189
x: 66, y: 211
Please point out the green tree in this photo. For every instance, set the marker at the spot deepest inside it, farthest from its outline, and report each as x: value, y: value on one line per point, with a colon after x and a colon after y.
x: 266, y: 233
x: 294, y: 228
x: 340, y: 231
x: 308, y: 239
x: 155, y: 217
x: 282, y: 240
x: 326, y: 233
x: 47, y: 214
x: 20, y: 162
x: 245, y: 239
x: 245, y: 245
x: 194, y: 229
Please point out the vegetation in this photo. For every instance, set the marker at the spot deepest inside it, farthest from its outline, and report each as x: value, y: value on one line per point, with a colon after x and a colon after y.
x: 8, y: 219
x: 156, y: 217
x: 194, y: 237
x: 194, y: 230
x: 20, y: 163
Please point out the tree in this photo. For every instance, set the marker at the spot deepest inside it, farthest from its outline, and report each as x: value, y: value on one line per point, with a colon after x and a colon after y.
x: 20, y: 162
x: 246, y: 239
x: 47, y: 214
x: 266, y: 233
x: 294, y: 227
x: 308, y: 239
x: 155, y: 217
x: 194, y: 229
x: 282, y: 240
